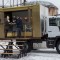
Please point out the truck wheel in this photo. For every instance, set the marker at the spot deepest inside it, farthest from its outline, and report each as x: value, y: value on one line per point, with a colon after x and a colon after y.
x: 58, y: 47
x: 26, y: 46
x: 29, y: 46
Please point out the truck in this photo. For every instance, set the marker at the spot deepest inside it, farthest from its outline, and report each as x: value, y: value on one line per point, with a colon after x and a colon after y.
x: 40, y: 26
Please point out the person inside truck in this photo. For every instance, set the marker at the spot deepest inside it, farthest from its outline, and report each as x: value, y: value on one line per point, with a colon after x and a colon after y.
x: 19, y: 26
x: 27, y: 24
x: 13, y: 19
x: 14, y: 25
x: 8, y: 19
x: 7, y: 26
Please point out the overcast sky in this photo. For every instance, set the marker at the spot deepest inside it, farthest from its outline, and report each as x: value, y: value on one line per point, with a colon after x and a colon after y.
x: 55, y: 2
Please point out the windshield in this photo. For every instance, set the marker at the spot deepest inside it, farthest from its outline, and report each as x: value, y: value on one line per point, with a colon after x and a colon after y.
x: 52, y: 22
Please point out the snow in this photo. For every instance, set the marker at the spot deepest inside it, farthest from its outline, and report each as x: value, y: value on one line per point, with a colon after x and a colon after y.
x: 41, y: 54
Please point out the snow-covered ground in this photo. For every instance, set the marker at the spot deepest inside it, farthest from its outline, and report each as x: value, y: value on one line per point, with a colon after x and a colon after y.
x: 41, y: 54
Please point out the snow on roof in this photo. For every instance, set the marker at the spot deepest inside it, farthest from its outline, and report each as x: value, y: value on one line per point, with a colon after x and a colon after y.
x: 44, y: 3
x: 47, y: 4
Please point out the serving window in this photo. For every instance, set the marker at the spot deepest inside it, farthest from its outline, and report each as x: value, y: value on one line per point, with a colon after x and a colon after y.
x: 26, y: 17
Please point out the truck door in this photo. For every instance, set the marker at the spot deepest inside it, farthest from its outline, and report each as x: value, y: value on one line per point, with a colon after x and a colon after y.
x: 53, y: 29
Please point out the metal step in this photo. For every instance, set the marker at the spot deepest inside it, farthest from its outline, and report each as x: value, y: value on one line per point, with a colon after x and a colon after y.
x: 9, y: 53
x: 12, y: 45
x: 50, y: 43
x: 10, y: 49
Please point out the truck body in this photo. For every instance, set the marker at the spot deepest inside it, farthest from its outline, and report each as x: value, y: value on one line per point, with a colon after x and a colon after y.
x: 24, y: 11
x: 42, y: 27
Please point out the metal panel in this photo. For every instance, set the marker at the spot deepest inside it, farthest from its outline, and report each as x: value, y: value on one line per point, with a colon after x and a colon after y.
x: 36, y: 21
x: 1, y: 17
x: 2, y: 31
x: 15, y: 8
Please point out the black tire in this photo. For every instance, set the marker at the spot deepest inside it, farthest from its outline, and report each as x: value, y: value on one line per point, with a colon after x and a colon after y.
x: 29, y: 46
x: 26, y: 46
x: 58, y: 47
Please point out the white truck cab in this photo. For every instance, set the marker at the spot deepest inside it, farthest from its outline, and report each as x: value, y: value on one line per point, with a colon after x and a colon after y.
x: 52, y: 29
x: 53, y: 26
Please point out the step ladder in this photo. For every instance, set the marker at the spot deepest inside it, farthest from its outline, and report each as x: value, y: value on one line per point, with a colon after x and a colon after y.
x: 8, y: 49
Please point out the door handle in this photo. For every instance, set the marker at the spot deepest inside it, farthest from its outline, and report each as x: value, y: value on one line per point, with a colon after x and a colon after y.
x: 49, y: 31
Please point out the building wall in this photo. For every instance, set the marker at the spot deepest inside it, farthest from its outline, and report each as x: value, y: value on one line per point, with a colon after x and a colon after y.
x: 52, y: 11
